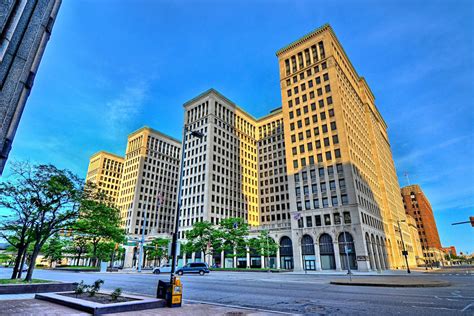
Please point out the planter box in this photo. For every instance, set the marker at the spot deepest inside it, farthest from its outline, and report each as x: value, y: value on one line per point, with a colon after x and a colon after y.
x: 36, y: 288
x: 139, y: 303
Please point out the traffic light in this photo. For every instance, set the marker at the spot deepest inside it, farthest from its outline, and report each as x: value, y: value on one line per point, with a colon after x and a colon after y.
x: 472, y: 220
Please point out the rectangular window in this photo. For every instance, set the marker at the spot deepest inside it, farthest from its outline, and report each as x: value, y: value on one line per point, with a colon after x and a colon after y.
x: 300, y: 222
x: 307, y: 205
x: 337, y: 219
x: 318, y: 220
x: 299, y: 206
x: 287, y: 66
x: 342, y: 184
x: 316, y: 203
x: 344, y: 199
x: 309, y: 221
x: 334, y: 201
x: 347, y: 217
x: 298, y: 191
x: 327, y: 219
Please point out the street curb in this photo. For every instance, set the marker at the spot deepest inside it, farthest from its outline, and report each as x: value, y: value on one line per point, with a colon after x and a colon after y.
x: 36, y: 288
x: 355, y: 283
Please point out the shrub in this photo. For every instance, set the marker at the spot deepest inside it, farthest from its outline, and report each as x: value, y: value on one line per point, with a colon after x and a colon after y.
x: 80, y: 288
x: 95, y: 287
x: 116, y: 294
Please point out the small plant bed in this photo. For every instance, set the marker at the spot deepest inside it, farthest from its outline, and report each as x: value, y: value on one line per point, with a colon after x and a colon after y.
x: 102, y: 298
x: 88, y: 298
x: 21, y: 281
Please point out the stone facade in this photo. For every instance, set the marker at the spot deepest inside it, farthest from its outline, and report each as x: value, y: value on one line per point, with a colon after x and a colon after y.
x: 105, y: 171
x: 340, y: 167
x: 25, y: 28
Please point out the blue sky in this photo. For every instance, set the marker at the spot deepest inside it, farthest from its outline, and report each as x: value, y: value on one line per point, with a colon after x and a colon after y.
x: 114, y: 66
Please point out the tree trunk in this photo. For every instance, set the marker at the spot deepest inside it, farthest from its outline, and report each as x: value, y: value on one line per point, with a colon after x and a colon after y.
x: 23, y: 259
x: 79, y: 258
x: 18, y: 260
x: 34, y: 255
x: 94, y: 254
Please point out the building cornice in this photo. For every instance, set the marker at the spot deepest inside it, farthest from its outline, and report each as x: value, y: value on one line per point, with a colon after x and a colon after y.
x: 154, y: 131
x: 106, y: 153
x: 303, y: 39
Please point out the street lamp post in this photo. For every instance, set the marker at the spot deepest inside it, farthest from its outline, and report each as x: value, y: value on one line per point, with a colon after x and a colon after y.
x: 174, y: 244
x: 405, y: 253
x: 349, y: 272
x: 142, y: 241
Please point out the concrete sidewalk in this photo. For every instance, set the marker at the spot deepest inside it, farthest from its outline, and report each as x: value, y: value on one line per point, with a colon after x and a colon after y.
x: 389, y: 281
x: 38, y: 307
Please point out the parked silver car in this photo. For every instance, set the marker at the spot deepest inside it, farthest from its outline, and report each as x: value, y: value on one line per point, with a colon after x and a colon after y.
x: 165, y: 268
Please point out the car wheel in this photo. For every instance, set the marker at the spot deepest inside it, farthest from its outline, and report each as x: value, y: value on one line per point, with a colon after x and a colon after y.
x: 157, y: 271
x: 180, y: 272
x: 201, y: 272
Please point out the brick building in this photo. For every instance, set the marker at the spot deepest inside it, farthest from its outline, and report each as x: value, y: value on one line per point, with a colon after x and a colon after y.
x: 417, y: 205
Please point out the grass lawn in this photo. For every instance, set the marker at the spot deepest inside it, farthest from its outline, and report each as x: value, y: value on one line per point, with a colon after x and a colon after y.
x: 22, y: 281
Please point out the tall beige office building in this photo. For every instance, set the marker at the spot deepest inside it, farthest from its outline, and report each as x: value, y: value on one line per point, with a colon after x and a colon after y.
x: 272, y: 174
x: 149, y: 183
x: 105, y: 171
x: 220, y: 171
x: 343, y: 187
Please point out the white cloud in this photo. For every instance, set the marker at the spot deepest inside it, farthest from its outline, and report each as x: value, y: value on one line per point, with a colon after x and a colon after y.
x: 122, y: 110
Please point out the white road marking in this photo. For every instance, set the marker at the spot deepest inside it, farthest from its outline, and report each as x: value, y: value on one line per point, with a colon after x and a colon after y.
x: 240, y: 307
x: 467, y: 307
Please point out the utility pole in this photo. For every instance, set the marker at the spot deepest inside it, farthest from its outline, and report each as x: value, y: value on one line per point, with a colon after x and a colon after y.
x: 142, y: 241
x: 405, y: 253
x: 174, y: 244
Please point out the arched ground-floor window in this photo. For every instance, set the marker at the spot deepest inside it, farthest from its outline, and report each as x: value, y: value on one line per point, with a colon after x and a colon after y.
x: 326, y: 250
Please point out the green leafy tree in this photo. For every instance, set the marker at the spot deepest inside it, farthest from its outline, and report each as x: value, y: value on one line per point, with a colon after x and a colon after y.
x: 201, y: 237
x: 263, y: 244
x: 41, y: 200
x: 53, y: 249
x: 79, y: 247
x: 99, y: 222
x: 158, y: 249
x: 105, y: 250
x: 231, y: 236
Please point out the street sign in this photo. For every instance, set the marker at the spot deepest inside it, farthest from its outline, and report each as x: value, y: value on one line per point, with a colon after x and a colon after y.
x: 178, y: 248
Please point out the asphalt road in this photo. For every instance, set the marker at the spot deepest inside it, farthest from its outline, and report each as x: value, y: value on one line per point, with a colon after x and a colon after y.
x: 296, y: 293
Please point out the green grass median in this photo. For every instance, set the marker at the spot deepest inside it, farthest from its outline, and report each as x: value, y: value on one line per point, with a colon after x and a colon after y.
x: 21, y: 281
